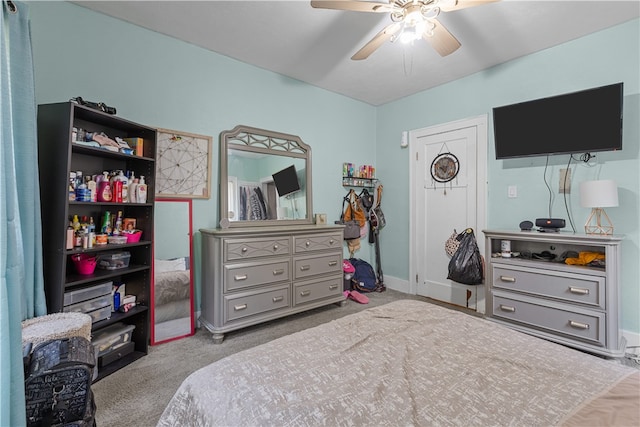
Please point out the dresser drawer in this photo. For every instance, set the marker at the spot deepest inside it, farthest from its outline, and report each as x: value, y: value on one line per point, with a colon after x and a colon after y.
x: 316, y: 265
x: 575, y: 288
x: 585, y: 325
x: 240, y: 276
x: 317, y: 242
x: 249, y: 304
x: 315, y: 290
x: 237, y: 249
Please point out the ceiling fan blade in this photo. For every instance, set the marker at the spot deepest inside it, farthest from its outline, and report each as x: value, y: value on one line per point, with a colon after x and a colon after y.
x: 442, y: 40
x: 377, y: 41
x: 356, y: 6
x: 450, y: 5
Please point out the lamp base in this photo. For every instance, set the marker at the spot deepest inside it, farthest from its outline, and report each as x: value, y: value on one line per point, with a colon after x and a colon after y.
x: 599, y: 228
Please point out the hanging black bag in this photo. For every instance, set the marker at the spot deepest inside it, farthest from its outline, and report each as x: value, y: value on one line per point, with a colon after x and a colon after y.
x: 465, y: 265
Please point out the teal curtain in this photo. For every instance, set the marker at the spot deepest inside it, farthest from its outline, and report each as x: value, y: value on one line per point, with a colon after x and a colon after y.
x: 22, y: 283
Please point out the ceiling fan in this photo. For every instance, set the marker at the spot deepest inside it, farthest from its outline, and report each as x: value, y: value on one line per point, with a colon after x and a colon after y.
x: 412, y: 20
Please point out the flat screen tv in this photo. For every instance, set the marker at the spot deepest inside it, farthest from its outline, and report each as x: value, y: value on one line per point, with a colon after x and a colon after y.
x: 286, y: 181
x: 578, y: 122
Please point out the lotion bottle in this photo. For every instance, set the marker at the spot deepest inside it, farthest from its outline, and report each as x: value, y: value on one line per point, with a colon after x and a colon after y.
x: 141, y: 190
x: 133, y: 189
x: 93, y: 188
x: 104, y: 188
x: 116, y: 189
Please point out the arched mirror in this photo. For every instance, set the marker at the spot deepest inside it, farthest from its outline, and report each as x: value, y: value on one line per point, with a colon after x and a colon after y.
x: 172, y: 314
x: 265, y: 178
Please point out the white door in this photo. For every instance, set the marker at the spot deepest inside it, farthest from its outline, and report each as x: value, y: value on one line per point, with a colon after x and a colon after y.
x: 448, y: 188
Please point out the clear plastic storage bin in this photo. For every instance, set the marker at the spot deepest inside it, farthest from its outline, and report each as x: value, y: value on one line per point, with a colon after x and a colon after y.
x: 84, y: 294
x: 89, y: 305
x: 111, y: 337
x: 113, y: 260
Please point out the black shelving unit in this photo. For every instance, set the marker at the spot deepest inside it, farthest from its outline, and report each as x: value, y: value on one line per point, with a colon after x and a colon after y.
x: 58, y: 155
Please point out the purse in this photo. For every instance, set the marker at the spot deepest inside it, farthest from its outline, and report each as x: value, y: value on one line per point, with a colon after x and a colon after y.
x: 452, y: 243
x: 351, y: 227
x: 376, y: 215
x: 354, y: 210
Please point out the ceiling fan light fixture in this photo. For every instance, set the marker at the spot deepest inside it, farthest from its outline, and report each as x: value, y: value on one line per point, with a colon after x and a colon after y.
x: 411, y: 20
x: 412, y: 31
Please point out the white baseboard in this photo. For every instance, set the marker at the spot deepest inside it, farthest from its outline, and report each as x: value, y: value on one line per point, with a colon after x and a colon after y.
x: 396, y: 284
x: 633, y: 341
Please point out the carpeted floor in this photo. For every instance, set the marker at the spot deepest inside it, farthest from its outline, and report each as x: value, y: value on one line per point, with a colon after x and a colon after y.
x: 137, y: 394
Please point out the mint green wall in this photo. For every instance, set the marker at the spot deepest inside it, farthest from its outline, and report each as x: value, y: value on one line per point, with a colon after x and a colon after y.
x: 159, y: 81
x: 602, y: 58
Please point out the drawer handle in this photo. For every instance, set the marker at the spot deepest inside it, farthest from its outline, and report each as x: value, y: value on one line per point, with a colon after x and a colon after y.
x: 508, y: 279
x: 579, y: 291
x: 239, y: 277
x: 308, y: 243
x: 578, y: 325
x: 278, y: 272
x: 332, y: 287
x: 305, y: 267
x: 331, y: 242
x: 305, y: 293
x: 507, y: 308
x: 277, y: 299
x: 332, y: 263
x: 245, y: 249
x: 275, y: 247
x: 240, y: 307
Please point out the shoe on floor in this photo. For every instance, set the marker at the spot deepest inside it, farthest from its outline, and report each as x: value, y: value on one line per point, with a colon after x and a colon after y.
x: 357, y: 297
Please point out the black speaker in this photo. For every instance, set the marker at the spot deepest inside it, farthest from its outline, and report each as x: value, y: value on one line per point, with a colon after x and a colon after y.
x: 550, y: 223
x: 526, y: 226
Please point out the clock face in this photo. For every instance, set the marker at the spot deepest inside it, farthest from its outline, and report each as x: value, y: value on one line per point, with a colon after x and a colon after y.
x: 444, y: 167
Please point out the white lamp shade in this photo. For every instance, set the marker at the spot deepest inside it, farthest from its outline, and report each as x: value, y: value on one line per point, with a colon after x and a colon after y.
x: 598, y: 194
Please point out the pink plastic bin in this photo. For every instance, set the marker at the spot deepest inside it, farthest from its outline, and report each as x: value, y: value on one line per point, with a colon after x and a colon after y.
x: 85, y: 264
x: 134, y: 237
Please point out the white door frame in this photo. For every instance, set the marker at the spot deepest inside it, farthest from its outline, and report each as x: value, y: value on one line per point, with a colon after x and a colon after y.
x: 480, y: 123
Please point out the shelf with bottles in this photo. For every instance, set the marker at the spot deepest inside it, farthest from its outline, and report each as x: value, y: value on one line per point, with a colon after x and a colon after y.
x: 358, y: 176
x: 89, y: 228
x: 114, y: 186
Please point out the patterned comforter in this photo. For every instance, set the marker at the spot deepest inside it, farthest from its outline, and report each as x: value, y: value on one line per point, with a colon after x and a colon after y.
x: 407, y: 363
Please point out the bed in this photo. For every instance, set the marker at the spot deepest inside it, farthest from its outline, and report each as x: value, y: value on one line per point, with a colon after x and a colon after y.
x: 408, y: 363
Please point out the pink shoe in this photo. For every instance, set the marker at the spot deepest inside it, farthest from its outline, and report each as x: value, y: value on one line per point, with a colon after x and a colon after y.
x: 347, y: 267
x: 358, y: 297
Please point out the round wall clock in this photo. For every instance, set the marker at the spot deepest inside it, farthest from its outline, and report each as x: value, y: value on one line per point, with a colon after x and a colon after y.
x: 444, y: 167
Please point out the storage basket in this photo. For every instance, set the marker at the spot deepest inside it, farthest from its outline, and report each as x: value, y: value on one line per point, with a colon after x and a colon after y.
x: 133, y: 237
x: 85, y: 264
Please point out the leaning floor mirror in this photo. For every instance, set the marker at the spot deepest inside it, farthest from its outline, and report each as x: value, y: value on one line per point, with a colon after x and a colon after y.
x: 172, y: 315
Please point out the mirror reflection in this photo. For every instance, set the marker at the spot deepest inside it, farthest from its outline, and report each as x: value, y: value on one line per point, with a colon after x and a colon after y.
x: 265, y: 187
x: 172, y: 313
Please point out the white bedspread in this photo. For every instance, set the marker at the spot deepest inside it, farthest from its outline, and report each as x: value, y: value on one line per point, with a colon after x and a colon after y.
x: 407, y: 363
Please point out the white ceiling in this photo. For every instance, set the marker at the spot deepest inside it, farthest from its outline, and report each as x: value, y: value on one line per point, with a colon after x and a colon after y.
x: 315, y: 45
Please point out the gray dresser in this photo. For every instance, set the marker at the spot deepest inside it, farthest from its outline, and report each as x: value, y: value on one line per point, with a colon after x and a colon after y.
x: 575, y: 305
x: 255, y: 274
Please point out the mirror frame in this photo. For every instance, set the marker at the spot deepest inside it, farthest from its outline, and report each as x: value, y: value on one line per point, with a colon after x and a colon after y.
x: 254, y: 140
x: 152, y: 322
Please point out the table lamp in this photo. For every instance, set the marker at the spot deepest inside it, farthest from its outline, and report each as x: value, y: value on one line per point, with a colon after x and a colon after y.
x: 598, y: 195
